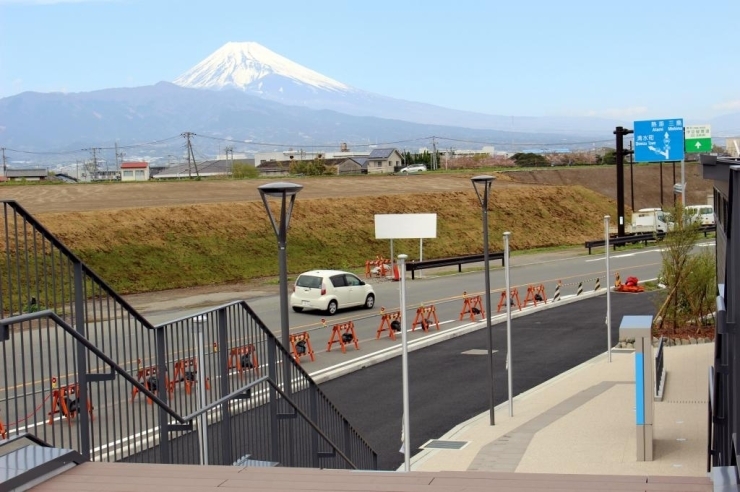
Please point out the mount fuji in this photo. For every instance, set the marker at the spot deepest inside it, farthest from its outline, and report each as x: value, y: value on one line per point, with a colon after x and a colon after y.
x: 254, y: 69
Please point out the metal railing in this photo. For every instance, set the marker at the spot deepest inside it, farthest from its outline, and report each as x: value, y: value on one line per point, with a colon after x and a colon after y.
x: 639, y: 238
x: 413, y: 266
x: 83, y: 370
x: 659, y: 366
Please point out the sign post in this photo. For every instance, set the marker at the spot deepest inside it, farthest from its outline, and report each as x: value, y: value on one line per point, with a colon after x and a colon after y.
x: 661, y: 141
x: 698, y: 139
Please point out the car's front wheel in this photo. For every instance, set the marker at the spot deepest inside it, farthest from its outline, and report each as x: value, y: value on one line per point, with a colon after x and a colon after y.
x: 331, y: 309
x: 369, y: 301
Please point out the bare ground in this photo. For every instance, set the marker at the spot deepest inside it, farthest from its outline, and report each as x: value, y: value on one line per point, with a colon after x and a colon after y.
x: 89, y: 197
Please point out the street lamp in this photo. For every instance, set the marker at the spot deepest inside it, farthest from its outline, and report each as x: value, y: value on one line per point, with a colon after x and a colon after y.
x: 482, y: 186
x: 284, y: 191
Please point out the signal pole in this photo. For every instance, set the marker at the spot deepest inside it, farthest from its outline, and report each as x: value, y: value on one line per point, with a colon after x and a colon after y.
x: 621, y: 152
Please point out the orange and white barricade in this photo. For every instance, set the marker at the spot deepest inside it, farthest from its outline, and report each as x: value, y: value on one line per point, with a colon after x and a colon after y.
x: 64, y: 400
x: 343, y: 334
x: 425, y: 316
x: 390, y: 322
x: 513, y: 297
x: 472, y: 306
x: 300, y: 345
x: 148, y: 377
x: 243, y: 358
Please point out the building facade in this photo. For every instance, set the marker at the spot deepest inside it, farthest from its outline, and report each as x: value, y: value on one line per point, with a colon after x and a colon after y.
x: 135, y: 171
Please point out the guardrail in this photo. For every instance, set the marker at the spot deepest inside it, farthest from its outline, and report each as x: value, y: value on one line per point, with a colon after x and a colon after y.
x: 638, y: 238
x: 413, y: 266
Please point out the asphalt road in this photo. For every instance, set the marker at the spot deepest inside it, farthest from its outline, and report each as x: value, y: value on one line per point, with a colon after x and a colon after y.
x: 448, y: 387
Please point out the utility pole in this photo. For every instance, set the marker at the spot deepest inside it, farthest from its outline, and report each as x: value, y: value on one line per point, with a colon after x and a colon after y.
x: 5, y: 166
x: 228, y: 150
x: 434, y: 154
x: 191, y: 155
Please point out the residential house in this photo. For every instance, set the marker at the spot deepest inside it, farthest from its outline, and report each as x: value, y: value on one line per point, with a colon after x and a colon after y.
x: 274, y: 168
x: 206, y: 169
x: 26, y: 174
x: 135, y: 171
x: 354, y: 165
x: 384, y: 161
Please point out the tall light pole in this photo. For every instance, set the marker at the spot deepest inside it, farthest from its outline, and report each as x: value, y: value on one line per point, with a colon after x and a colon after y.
x: 286, y: 192
x: 509, y: 361
x: 406, y: 422
x: 482, y: 186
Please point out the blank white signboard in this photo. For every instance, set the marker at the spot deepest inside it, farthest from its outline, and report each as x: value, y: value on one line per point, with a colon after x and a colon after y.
x: 405, y: 226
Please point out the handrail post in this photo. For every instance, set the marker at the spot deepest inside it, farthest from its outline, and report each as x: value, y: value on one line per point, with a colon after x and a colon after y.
x: 82, y: 395
x: 274, y: 409
x: 164, y: 437
x: 314, y: 409
x: 223, y: 362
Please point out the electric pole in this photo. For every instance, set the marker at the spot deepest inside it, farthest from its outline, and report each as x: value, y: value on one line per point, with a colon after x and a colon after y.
x: 230, y: 150
x: 191, y: 155
x: 5, y: 166
x: 434, y: 154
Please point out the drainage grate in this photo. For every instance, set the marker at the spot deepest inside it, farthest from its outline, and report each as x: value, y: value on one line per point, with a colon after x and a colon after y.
x: 441, y: 444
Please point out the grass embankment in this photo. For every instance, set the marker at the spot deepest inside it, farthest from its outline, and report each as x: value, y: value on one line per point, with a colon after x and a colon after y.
x: 150, y: 249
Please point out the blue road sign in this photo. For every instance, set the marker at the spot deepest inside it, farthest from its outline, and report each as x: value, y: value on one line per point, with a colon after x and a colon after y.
x: 659, y: 140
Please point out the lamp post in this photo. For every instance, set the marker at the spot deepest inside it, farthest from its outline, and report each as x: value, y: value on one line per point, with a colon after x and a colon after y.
x: 406, y: 422
x: 482, y: 186
x: 286, y: 192
x: 201, y: 372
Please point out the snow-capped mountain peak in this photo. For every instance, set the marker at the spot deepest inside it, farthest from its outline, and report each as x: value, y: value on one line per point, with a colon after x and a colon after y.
x: 252, y: 67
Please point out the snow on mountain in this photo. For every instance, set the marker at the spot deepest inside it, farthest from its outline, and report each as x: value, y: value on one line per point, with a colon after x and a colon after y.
x: 251, y: 67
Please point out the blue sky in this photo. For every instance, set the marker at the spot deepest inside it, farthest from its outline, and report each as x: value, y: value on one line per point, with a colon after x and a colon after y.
x: 632, y: 59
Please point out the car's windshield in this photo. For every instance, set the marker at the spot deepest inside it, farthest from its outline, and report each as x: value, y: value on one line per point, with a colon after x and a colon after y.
x: 309, y: 281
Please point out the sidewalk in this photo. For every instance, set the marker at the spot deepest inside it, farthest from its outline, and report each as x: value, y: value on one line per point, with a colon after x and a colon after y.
x: 583, y: 422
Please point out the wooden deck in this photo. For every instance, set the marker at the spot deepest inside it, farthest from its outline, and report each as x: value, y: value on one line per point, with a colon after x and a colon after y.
x: 125, y: 477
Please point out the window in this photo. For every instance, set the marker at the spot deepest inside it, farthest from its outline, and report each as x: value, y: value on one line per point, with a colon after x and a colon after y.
x: 338, y: 281
x: 352, y: 281
x: 128, y: 174
x: 309, y: 281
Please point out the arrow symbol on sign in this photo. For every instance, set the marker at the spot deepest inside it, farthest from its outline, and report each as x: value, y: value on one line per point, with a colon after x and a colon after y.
x: 697, y: 145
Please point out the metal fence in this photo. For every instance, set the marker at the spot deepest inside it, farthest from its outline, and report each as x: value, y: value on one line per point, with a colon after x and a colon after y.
x: 81, y: 369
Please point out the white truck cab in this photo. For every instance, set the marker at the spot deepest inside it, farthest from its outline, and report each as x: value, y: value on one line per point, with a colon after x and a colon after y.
x: 647, y: 220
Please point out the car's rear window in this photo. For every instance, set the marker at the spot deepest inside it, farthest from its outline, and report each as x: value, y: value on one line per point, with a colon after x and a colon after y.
x: 309, y: 281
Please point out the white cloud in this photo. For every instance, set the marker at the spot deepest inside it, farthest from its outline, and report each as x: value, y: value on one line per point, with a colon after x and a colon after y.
x: 728, y: 105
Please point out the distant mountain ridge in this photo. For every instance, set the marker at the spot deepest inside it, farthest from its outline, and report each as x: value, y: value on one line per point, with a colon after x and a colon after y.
x: 246, y: 93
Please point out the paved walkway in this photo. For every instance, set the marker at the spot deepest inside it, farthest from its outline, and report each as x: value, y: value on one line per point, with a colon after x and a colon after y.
x: 583, y: 422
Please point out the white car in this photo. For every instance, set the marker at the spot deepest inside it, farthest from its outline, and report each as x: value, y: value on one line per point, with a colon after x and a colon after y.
x: 416, y: 168
x: 329, y: 290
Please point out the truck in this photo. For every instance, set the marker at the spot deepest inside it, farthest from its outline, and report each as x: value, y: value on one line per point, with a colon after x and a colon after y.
x: 645, y: 221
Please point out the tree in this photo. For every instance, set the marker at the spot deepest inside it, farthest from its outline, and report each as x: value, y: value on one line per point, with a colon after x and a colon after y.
x: 689, y: 279
x: 609, y: 157
x: 528, y: 159
x: 241, y: 171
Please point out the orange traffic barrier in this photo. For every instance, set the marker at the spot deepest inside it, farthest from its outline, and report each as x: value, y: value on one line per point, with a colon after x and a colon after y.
x: 535, y: 295
x: 300, y: 344
x: 64, y: 400
x: 148, y: 377
x: 632, y: 284
x: 243, y: 358
x: 513, y: 296
x: 3, y: 432
x: 472, y: 306
x: 390, y: 322
x: 425, y: 316
x: 343, y: 334
x: 186, y: 372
